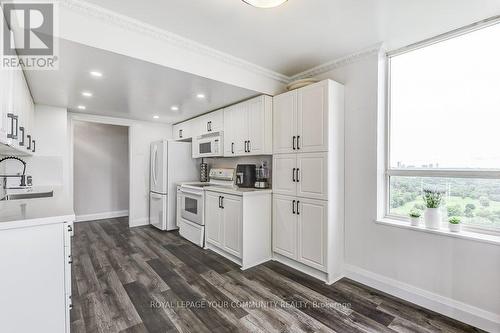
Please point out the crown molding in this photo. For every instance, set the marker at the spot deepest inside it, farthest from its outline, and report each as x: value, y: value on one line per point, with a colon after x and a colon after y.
x: 340, y: 62
x: 133, y: 25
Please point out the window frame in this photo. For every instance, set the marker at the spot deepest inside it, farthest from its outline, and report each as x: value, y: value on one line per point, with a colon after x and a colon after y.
x: 421, y: 172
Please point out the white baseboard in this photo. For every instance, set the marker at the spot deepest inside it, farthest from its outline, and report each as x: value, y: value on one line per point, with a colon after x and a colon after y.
x: 101, y: 216
x: 463, y: 312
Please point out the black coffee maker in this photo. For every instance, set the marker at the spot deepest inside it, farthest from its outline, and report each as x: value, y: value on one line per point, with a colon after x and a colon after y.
x: 245, y: 175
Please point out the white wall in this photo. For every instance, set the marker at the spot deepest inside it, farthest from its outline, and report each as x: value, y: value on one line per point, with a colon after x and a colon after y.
x: 100, y: 170
x: 465, y: 272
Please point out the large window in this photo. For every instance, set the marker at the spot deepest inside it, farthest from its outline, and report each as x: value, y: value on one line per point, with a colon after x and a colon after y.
x: 444, y: 127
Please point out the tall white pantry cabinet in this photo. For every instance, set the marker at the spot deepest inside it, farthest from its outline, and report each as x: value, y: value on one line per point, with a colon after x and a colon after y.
x: 308, y: 179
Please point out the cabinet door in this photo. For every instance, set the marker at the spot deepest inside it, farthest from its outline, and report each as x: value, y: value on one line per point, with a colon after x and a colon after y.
x: 284, y: 171
x: 233, y: 224
x: 216, y: 121
x: 312, y: 227
x: 230, y: 136
x: 284, y: 226
x: 178, y: 131
x: 213, y: 219
x: 257, y: 125
x: 312, y: 118
x: 284, y: 122
x: 312, y: 175
x: 240, y: 128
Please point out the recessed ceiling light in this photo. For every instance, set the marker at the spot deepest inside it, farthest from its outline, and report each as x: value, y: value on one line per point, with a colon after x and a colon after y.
x: 200, y: 96
x: 96, y: 74
x: 174, y: 108
x: 156, y: 117
x: 81, y: 107
x: 265, y: 3
x: 86, y: 93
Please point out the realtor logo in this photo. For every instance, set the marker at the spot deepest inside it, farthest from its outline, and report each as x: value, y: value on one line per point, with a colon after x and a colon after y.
x: 28, y: 36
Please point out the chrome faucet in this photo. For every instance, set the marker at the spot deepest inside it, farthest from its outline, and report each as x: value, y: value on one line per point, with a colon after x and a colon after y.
x: 22, y: 177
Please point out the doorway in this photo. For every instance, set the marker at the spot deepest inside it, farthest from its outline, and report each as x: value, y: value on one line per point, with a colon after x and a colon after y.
x: 100, y: 170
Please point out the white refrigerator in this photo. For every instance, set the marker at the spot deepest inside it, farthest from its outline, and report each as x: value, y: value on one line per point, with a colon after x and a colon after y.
x: 171, y: 163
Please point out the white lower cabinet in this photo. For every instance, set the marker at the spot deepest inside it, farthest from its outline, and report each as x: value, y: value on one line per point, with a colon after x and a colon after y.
x: 238, y: 226
x: 35, y: 284
x: 300, y: 229
x: 284, y: 226
x: 312, y: 232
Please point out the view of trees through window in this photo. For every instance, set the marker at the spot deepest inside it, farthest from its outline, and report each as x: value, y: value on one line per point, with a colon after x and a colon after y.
x: 476, y: 201
x: 444, y: 117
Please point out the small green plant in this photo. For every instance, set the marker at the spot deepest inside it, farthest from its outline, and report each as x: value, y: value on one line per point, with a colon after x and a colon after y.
x: 415, y: 213
x: 455, y: 220
x: 433, y: 198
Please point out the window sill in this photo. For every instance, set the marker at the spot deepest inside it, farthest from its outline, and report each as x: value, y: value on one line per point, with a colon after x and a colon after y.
x: 484, y: 238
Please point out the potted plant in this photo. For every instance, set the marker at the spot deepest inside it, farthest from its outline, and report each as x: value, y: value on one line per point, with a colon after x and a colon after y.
x: 433, y: 199
x: 415, y: 217
x: 454, y: 223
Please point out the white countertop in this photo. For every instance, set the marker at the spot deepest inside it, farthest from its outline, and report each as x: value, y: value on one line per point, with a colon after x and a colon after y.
x: 238, y: 190
x: 31, y: 212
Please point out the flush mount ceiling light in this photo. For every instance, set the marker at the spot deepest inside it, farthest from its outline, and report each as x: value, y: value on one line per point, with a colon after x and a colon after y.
x: 81, y: 107
x: 156, y: 117
x: 174, y: 108
x: 86, y: 94
x: 96, y: 74
x: 200, y: 96
x: 265, y: 3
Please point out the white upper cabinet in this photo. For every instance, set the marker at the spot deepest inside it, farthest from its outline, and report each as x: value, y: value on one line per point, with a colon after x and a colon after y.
x: 186, y: 130
x: 301, y: 120
x: 16, y: 114
x: 248, y: 127
x: 210, y: 123
x: 285, y: 122
x: 312, y: 118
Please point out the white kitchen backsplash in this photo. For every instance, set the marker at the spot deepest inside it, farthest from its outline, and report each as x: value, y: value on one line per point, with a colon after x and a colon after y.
x: 232, y: 162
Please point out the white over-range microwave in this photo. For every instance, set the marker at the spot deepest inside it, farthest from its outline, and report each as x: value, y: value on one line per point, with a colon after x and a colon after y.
x: 208, y: 145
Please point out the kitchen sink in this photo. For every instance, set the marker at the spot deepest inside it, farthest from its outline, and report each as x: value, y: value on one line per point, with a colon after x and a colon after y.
x: 28, y: 195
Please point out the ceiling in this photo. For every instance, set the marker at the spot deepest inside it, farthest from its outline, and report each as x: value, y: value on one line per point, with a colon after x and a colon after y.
x: 302, y: 34
x: 129, y: 88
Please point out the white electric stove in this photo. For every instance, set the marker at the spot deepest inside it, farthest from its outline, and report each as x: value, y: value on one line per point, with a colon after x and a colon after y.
x: 191, y: 220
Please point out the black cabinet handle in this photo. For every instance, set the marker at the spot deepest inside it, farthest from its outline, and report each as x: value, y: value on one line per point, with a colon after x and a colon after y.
x: 21, y: 129
x: 232, y: 147
x: 298, y: 141
x: 293, y: 207
x: 222, y: 203
x: 16, y: 127
x: 210, y: 126
x: 13, y: 128
x: 180, y: 133
x: 34, y: 146
x: 220, y: 199
x: 293, y: 175
x: 29, y: 142
x: 294, y: 138
x: 246, y: 146
x: 297, y: 179
x: 249, y: 150
x: 298, y: 213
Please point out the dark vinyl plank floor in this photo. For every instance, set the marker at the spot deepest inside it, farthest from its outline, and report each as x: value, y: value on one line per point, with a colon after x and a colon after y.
x: 146, y: 280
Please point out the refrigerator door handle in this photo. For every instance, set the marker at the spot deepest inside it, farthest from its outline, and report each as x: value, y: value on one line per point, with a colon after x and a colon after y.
x: 155, y: 157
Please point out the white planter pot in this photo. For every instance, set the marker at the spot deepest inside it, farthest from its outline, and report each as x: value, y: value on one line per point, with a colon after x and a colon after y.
x: 415, y: 221
x: 433, y: 218
x: 454, y: 227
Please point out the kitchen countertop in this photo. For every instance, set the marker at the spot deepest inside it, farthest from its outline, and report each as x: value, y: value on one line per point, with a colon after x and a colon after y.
x: 238, y: 190
x: 31, y: 212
